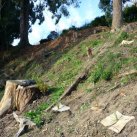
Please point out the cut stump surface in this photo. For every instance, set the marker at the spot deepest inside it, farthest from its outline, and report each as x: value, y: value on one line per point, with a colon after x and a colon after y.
x: 18, y: 93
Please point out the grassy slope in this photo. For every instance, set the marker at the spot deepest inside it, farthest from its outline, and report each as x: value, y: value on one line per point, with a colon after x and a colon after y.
x: 113, y: 60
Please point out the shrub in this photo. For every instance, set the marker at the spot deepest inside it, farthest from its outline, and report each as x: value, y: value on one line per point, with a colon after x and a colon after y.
x: 130, y: 14
x: 99, y: 21
x: 107, y: 74
x: 96, y: 75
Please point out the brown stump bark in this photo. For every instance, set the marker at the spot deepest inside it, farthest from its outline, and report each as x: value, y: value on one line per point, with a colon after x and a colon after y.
x: 18, y: 93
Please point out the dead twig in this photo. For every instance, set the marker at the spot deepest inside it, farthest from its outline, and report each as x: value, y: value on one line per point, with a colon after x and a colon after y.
x: 114, y: 87
x: 127, y: 73
x: 24, y: 123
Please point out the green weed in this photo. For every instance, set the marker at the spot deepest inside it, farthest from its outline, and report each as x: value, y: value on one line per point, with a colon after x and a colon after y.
x: 123, y: 36
x: 134, y: 50
x: 88, y: 90
x: 95, y: 43
x: 37, y: 115
x: 84, y: 106
x: 108, y: 66
x: 127, y: 79
x: 41, y: 85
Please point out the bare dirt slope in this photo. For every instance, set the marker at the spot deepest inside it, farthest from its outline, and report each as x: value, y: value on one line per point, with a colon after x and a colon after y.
x: 106, y: 96
x: 83, y: 121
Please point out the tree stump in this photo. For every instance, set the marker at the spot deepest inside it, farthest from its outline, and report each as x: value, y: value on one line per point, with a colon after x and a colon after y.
x: 18, y: 93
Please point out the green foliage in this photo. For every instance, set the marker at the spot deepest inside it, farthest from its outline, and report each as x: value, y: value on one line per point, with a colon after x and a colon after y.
x: 65, y: 31
x: 127, y: 79
x: 37, y: 115
x: 109, y: 65
x: 41, y: 85
x: 130, y: 14
x: 100, y: 21
x: 9, y: 24
x: 97, y: 73
x: 95, y: 43
x: 88, y: 90
x: 134, y: 50
x: 65, y: 69
x: 123, y: 36
x: 108, y: 73
x: 84, y: 106
x: 10, y: 21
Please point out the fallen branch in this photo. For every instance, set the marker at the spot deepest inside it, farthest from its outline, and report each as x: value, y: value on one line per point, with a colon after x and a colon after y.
x: 127, y: 73
x: 114, y: 87
x: 24, y: 124
x: 82, y: 76
x: 125, y: 42
x: 73, y: 86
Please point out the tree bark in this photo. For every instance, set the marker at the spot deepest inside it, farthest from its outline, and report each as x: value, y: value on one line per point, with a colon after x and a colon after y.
x: 24, y: 23
x: 117, y: 15
x: 18, y: 93
x: 0, y: 8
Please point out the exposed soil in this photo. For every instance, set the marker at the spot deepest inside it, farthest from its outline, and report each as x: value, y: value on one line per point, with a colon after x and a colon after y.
x: 82, y: 121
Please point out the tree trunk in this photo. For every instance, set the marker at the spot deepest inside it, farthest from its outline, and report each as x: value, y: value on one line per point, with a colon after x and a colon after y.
x: 0, y: 8
x: 117, y: 14
x: 18, y: 93
x: 24, y: 23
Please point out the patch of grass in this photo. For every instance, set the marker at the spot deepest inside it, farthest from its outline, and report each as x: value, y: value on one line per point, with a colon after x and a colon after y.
x: 58, y: 129
x: 134, y: 50
x: 97, y: 73
x: 127, y: 79
x: 84, y: 106
x: 123, y: 36
x: 71, y: 129
x: 95, y: 43
x: 108, y: 65
x: 90, y: 43
x: 65, y: 70
x: 88, y: 90
x: 33, y: 70
x: 37, y: 115
x: 108, y: 73
x: 62, y: 73
x: 41, y: 85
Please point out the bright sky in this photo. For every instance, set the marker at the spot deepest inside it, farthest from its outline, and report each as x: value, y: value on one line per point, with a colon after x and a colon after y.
x: 87, y: 11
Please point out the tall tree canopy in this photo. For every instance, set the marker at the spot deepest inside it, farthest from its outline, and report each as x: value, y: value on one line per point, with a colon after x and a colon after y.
x: 24, y: 13
x: 9, y: 22
x: 30, y: 11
